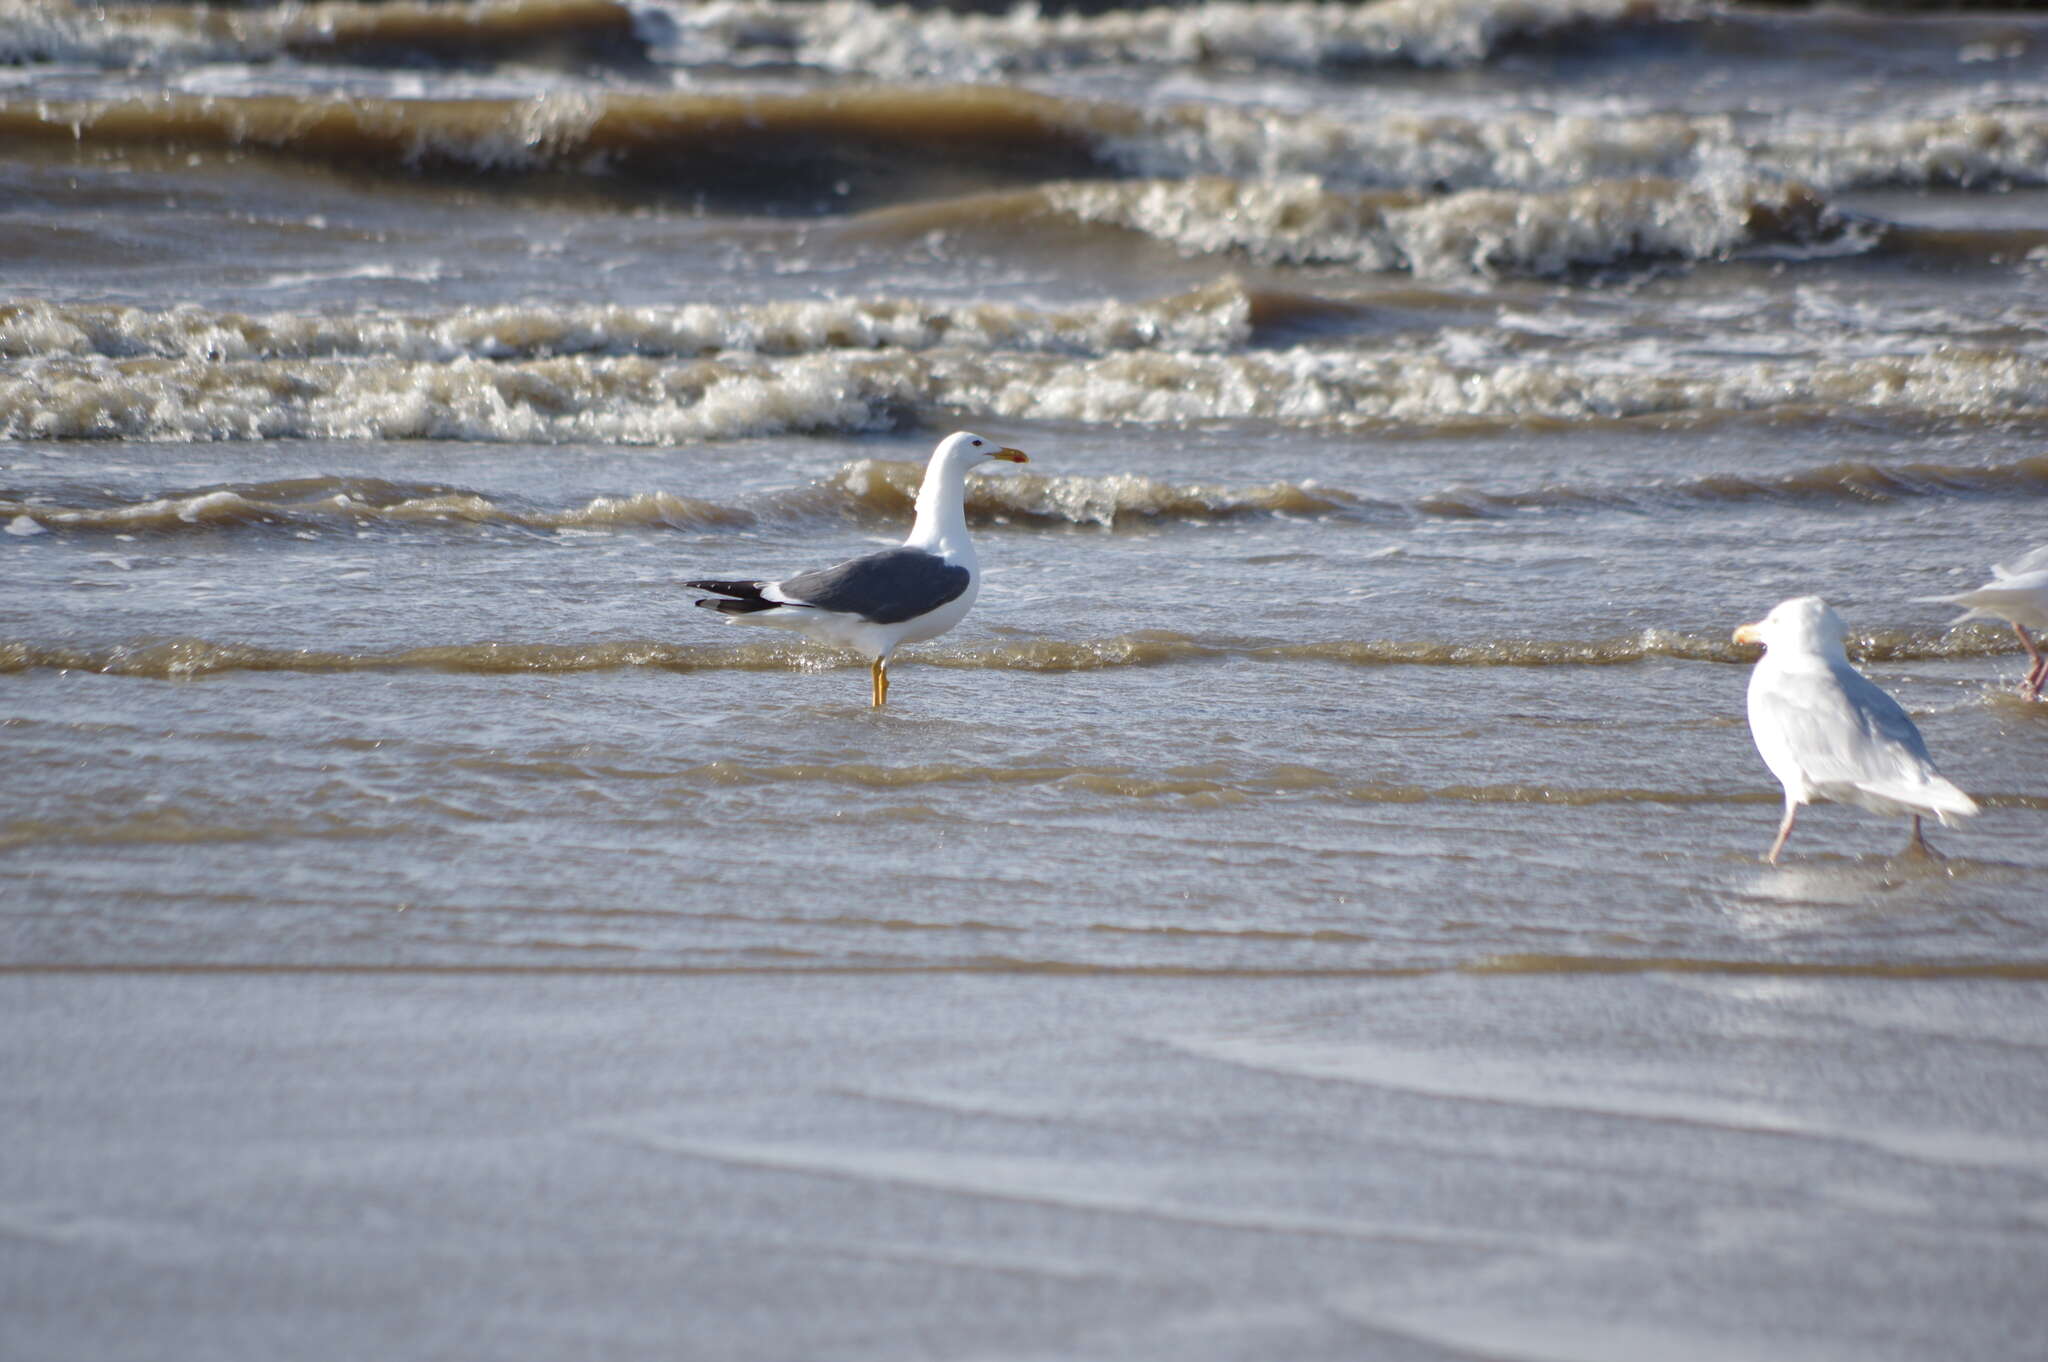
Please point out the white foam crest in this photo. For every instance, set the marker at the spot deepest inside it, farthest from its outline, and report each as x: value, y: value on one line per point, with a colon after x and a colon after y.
x: 1296, y: 220
x: 56, y: 31
x: 536, y: 134
x: 901, y: 43
x: 141, y: 36
x: 1995, y: 146
x: 1533, y: 149
x: 1529, y: 149
x: 643, y: 401
x: 1105, y: 501
x: 1215, y: 318
x: 632, y: 401
x: 1504, y: 232
x: 198, y: 508
x: 1291, y: 220
x: 1305, y: 387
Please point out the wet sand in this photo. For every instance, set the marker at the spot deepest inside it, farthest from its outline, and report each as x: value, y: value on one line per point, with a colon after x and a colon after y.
x: 419, y: 1164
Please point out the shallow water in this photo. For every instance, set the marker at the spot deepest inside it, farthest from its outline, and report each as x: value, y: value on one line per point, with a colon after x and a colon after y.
x: 1418, y: 395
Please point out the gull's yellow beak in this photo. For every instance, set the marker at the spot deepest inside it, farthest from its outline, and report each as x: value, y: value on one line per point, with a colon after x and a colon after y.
x: 1013, y: 455
x: 1750, y: 633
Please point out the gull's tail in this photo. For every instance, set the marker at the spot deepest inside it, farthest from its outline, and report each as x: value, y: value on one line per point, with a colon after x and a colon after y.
x: 1949, y: 802
x: 1936, y: 795
x: 1986, y: 602
x: 738, y: 598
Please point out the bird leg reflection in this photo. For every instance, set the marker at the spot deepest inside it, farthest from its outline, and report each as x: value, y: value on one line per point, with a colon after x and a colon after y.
x: 879, y: 673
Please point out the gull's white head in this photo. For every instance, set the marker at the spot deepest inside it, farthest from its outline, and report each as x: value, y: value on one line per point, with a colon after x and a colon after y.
x: 964, y: 449
x: 941, y: 524
x: 1804, y: 624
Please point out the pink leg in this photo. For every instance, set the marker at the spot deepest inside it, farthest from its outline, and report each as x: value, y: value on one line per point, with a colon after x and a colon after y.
x: 1784, y: 831
x: 2038, y: 672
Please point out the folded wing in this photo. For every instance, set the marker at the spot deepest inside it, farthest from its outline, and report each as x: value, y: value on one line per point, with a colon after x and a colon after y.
x: 882, y: 588
x: 1853, y: 743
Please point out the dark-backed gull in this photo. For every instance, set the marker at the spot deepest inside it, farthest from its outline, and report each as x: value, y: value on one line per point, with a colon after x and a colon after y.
x: 877, y: 602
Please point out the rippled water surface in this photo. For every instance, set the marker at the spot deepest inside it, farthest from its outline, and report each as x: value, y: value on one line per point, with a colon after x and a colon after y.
x: 1337, y: 806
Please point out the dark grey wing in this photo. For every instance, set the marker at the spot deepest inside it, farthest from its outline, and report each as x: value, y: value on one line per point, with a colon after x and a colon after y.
x: 882, y: 588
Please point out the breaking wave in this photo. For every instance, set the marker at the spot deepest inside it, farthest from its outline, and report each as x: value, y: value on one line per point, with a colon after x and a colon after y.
x: 640, y: 400
x: 867, y: 491
x: 1216, y: 318
x: 1490, y: 232
x: 847, y: 36
x: 407, y: 31
x: 883, y: 491
x: 789, y: 149
x: 1537, y: 149
x: 888, y: 490
x: 897, y: 43
x: 333, y: 501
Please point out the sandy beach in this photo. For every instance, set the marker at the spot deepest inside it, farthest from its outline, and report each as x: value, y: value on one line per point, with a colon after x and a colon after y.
x: 421, y: 1165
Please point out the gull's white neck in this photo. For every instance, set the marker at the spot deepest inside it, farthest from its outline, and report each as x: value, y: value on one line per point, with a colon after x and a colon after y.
x: 941, y: 524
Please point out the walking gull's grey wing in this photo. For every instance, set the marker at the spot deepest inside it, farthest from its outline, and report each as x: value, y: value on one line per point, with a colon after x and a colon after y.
x: 1843, y: 730
x: 1884, y: 718
x: 882, y: 588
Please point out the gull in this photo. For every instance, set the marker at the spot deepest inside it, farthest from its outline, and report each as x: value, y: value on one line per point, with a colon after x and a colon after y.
x: 1829, y: 734
x: 879, y: 601
x: 2018, y: 594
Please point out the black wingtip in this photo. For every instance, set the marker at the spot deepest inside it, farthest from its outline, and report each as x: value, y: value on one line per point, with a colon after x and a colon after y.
x: 738, y: 598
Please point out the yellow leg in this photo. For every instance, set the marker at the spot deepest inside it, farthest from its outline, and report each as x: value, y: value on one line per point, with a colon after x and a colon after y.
x: 879, y: 672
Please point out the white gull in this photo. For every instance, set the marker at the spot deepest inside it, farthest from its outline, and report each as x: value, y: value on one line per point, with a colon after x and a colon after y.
x: 2018, y: 594
x: 1829, y: 734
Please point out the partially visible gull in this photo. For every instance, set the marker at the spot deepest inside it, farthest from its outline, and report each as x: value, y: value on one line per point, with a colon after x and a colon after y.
x: 1827, y: 733
x: 2018, y: 594
x: 879, y: 601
